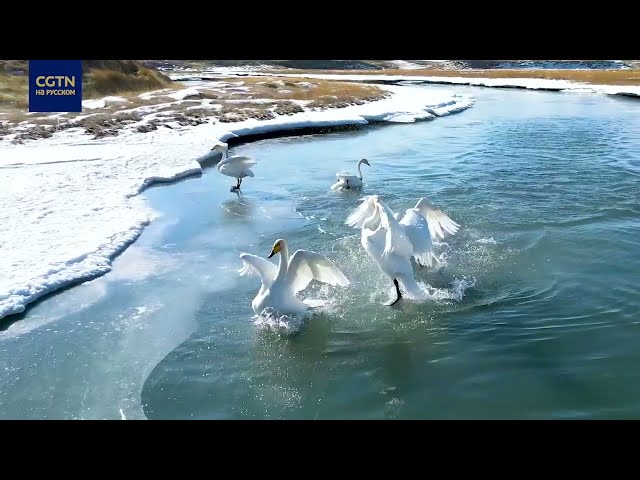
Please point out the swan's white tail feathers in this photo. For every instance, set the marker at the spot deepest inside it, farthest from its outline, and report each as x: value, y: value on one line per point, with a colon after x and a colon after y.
x: 338, y: 185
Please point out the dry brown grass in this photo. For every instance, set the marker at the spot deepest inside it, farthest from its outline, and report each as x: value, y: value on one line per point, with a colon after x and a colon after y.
x: 324, y: 93
x: 598, y: 77
x: 14, y: 91
x: 101, y: 82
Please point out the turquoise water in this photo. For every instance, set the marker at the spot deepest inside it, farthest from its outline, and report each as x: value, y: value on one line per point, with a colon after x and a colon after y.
x: 533, y: 316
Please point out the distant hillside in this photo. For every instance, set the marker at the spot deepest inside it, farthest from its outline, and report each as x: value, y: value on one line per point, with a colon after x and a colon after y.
x: 296, y: 64
x: 133, y: 67
x: 544, y: 64
x: 127, y: 67
x: 395, y: 64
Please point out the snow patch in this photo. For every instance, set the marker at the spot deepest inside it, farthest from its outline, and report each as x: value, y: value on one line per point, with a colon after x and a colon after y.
x: 180, y: 94
x: 102, y: 102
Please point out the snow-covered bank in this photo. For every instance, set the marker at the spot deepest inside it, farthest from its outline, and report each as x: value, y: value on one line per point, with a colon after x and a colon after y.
x: 68, y: 205
x: 525, y: 83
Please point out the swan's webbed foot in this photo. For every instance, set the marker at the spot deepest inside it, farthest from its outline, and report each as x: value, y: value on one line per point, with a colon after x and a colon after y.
x: 237, y: 187
x: 398, y: 293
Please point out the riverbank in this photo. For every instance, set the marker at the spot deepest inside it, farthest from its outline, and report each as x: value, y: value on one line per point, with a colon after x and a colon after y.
x: 589, y: 76
x: 613, y: 82
x: 624, y: 82
x: 71, y: 204
x: 185, y: 105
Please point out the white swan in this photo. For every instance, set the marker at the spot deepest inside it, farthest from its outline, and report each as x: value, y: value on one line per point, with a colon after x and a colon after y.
x: 348, y: 181
x: 281, y: 284
x: 236, y: 166
x: 391, y: 242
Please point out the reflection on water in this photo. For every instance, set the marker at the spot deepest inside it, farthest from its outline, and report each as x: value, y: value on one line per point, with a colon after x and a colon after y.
x: 238, y: 208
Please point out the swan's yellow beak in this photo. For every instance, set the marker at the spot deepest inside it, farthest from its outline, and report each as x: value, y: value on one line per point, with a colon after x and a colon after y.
x: 275, y: 249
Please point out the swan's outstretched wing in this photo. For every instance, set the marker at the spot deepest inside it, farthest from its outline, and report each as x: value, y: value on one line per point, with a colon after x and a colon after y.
x: 436, y: 218
x: 416, y: 229
x: 237, y: 166
x: 254, y: 265
x: 304, y: 266
x: 365, y: 210
x: 396, y: 238
x: 240, y: 160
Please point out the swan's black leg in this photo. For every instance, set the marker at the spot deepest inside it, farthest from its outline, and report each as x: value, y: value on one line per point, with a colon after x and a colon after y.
x: 239, y: 183
x: 395, y: 282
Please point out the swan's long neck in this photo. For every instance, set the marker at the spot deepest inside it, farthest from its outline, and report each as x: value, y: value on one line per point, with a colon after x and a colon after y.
x: 222, y: 150
x: 284, y: 262
x: 360, y: 162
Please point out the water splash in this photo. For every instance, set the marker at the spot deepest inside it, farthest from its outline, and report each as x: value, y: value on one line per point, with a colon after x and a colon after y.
x: 486, y: 240
x: 427, y: 293
x: 459, y: 286
x: 271, y: 320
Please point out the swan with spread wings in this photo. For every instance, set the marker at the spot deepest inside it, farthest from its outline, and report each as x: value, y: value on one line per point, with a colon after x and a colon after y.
x: 281, y: 284
x: 392, y: 241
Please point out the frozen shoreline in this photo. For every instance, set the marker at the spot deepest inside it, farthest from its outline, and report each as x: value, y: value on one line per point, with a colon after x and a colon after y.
x: 523, y: 83
x: 71, y: 205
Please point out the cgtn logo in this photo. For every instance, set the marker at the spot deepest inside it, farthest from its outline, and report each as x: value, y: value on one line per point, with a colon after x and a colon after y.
x: 55, y: 85
x: 56, y: 81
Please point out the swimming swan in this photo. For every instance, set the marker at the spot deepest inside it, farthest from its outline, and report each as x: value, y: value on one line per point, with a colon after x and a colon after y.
x: 281, y: 284
x: 236, y: 166
x: 348, y: 181
x: 391, y: 241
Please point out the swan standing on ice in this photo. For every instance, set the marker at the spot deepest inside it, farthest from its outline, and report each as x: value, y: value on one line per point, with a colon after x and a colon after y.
x: 347, y: 181
x: 281, y: 284
x: 236, y: 166
x: 391, y: 242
